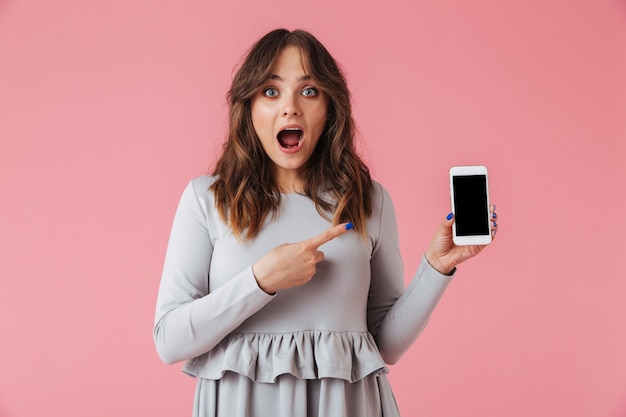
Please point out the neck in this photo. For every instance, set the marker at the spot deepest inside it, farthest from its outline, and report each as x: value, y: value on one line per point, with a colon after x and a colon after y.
x: 289, y: 183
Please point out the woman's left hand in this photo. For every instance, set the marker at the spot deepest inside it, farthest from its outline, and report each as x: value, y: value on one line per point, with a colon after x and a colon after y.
x: 444, y: 255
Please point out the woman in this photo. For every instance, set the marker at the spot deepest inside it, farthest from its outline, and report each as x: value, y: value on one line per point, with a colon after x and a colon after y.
x: 275, y: 328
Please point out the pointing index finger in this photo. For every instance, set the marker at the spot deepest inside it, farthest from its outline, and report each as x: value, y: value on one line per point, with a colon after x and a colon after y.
x: 330, y: 234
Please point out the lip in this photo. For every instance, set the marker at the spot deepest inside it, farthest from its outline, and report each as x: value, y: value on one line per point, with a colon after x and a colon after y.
x: 295, y: 149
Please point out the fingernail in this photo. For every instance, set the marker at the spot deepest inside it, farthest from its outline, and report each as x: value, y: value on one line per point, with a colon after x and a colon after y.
x: 494, y: 207
x: 495, y: 224
x: 494, y: 215
x: 449, y: 217
x: 349, y: 226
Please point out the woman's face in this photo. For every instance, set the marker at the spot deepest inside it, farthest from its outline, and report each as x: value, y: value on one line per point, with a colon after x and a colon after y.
x: 289, y: 115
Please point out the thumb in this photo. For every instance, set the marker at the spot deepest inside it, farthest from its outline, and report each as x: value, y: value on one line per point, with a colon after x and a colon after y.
x: 446, y: 225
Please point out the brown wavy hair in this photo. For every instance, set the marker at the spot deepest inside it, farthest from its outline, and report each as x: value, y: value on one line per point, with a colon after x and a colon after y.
x: 337, y: 180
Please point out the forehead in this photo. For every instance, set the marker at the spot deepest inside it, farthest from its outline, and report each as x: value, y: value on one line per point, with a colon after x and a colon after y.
x: 291, y: 59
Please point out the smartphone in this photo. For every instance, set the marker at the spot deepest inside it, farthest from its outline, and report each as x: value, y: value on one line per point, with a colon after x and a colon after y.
x: 469, y: 194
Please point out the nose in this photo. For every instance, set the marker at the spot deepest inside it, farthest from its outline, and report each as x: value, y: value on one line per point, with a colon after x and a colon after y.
x: 291, y: 106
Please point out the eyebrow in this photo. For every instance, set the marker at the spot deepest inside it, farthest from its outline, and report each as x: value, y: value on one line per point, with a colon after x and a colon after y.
x: 279, y: 78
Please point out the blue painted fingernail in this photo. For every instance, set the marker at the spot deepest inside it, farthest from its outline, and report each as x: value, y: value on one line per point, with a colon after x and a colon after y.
x: 495, y: 224
x: 449, y: 217
x: 494, y: 215
x: 349, y: 226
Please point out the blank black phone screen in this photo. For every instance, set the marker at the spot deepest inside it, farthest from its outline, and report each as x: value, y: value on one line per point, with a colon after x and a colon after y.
x: 470, y: 205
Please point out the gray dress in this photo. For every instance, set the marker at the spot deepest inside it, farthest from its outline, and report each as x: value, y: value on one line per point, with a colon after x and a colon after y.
x: 315, y: 350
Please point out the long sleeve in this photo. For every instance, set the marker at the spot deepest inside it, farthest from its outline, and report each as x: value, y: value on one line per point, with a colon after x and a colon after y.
x: 189, y: 320
x: 396, y: 316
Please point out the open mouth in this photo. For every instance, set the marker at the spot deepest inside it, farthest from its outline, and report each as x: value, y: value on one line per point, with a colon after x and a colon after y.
x: 290, y: 138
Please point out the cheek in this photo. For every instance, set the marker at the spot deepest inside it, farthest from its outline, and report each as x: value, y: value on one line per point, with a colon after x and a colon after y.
x: 318, y: 114
x: 260, y: 119
x: 321, y: 119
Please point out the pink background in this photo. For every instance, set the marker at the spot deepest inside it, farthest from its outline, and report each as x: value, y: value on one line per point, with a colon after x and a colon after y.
x: 108, y: 108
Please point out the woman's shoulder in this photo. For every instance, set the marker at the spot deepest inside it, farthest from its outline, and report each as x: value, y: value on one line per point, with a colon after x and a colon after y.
x: 379, y: 193
x: 203, y: 182
x: 199, y: 189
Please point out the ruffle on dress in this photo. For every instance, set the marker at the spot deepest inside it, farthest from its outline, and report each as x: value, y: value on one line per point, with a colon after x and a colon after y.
x: 310, y: 354
x: 236, y: 396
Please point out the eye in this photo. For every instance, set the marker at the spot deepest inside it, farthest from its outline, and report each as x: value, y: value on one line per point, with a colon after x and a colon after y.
x: 309, y: 92
x: 270, y: 92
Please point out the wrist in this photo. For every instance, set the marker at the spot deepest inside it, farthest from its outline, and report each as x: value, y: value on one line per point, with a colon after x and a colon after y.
x: 263, y: 285
x: 442, y: 267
